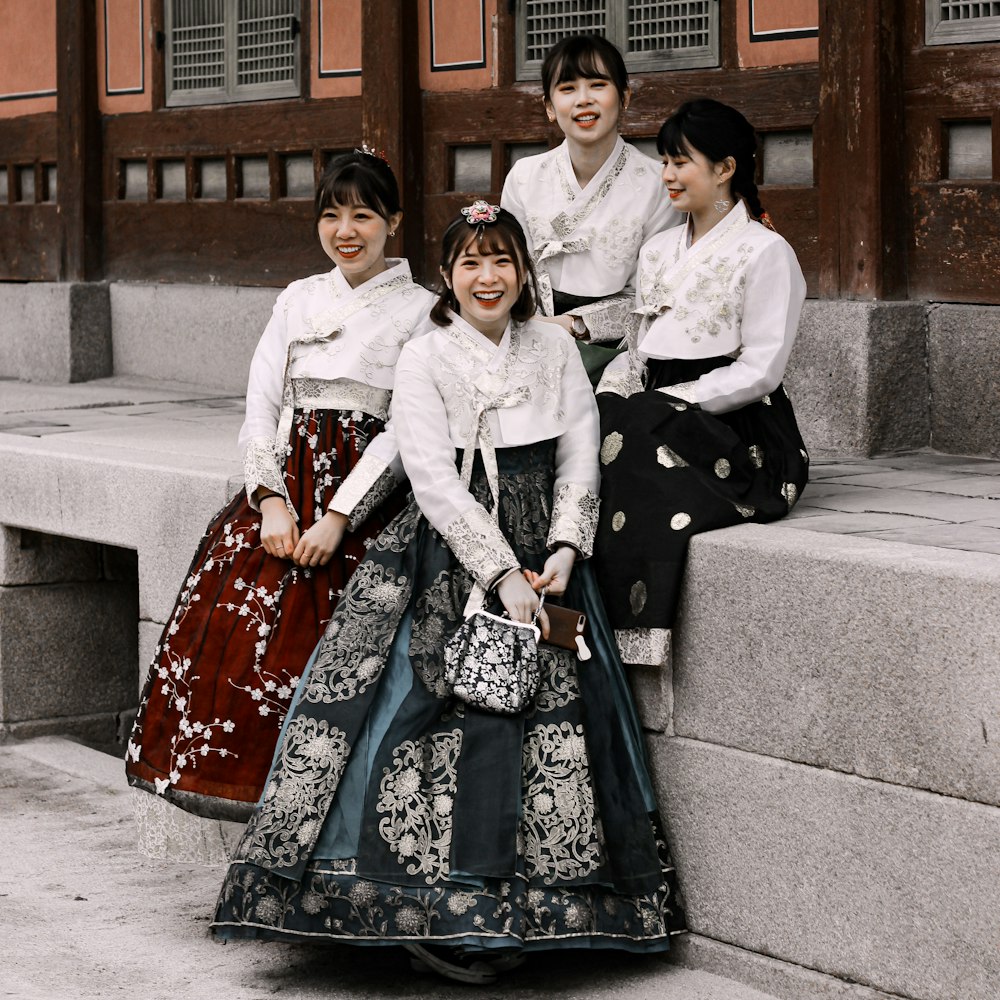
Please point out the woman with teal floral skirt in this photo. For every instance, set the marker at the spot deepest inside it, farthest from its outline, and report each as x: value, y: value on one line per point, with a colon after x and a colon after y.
x: 396, y: 814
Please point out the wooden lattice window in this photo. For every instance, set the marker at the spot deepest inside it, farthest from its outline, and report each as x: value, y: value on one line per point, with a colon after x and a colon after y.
x: 951, y: 23
x: 666, y: 34
x: 231, y: 50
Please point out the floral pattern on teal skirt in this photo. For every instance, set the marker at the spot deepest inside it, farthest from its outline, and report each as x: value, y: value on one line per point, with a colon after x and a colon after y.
x: 394, y: 813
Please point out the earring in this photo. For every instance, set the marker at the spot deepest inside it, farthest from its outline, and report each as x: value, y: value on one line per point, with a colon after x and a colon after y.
x: 392, y: 232
x: 722, y: 206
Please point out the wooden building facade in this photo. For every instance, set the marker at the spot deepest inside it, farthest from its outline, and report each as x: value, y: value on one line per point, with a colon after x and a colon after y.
x: 179, y: 140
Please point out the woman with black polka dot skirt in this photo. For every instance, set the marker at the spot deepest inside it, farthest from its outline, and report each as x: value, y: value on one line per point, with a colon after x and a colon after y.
x: 697, y: 431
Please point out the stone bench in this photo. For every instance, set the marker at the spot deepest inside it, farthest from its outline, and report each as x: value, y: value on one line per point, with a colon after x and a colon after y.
x: 107, y: 489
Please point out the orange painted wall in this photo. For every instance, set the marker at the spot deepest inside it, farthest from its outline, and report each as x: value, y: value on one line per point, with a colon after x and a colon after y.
x: 456, y: 32
x: 124, y: 59
x: 27, y: 56
x: 336, y: 43
x: 776, y: 16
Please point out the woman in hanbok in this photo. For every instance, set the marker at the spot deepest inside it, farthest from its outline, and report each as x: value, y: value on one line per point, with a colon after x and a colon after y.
x: 394, y: 812
x: 697, y: 431
x: 273, y: 563
x: 589, y: 204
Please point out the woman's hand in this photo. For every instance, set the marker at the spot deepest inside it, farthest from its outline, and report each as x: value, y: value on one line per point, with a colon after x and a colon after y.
x: 520, y: 601
x: 279, y: 534
x: 556, y: 571
x: 318, y: 543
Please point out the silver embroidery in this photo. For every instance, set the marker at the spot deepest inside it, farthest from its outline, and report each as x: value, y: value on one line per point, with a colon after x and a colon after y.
x: 479, y: 545
x: 622, y: 381
x: 680, y: 521
x: 574, y: 518
x: 611, y: 319
x: 561, y: 830
x: 260, y: 468
x: 611, y: 447
x: 757, y: 455
x: 416, y: 796
x: 637, y: 597
x: 669, y: 458
x: 723, y: 468
x: 340, y: 394
x: 351, y: 653
x: 683, y: 390
x: 366, y: 486
x: 287, y: 822
x: 618, y: 520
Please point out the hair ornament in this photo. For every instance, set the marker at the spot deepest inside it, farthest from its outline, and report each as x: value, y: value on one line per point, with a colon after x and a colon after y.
x: 765, y: 220
x: 367, y: 150
x: 480, y: 212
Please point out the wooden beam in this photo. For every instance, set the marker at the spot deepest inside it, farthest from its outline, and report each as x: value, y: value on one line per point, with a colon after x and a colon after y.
x: 78, y: 143
x: 860, y: 150
x: 392, y: 110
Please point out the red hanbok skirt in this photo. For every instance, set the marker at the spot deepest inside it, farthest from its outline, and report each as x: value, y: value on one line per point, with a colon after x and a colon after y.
x: 242, y: 631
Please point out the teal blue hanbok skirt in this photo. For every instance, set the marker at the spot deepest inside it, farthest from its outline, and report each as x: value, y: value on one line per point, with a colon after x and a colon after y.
x: 393, y: 813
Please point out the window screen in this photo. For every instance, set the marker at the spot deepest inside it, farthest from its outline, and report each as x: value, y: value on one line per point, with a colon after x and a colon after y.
x: 675, y: 34
x: 952, y: 23
x: 231, y: 50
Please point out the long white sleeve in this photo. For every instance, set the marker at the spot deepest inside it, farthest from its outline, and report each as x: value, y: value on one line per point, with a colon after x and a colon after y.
x: 577, y: 475
x: 774, y: 293
x: 263, y: 406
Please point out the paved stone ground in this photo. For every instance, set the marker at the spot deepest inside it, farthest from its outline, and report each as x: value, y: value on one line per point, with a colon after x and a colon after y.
x: 84, y: 917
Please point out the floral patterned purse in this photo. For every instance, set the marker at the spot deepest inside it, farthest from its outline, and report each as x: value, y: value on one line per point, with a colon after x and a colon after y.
x: 491, y: 663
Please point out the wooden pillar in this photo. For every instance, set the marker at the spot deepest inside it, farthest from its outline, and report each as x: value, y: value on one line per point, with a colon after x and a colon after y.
x: 392, y: 112
x: 859, y: 135
x: 78, y: 140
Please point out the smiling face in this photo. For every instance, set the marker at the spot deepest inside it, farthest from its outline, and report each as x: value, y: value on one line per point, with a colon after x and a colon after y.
x: 486, y: 282
x: 586, y: 109
x: 353, y: 236
x: 693, y: 182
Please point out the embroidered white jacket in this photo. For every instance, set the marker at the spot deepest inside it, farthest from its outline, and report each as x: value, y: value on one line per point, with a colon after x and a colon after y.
x: 738, y: 290
x: 585, y: 241
x: 330, y: 345
x: 456, y: 389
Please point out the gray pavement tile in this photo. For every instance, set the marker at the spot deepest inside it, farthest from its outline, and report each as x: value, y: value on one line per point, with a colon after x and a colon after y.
x: 938, y: 506
x: 32, y: 397
x: 977, y: 466
x: 986, y: 487
x: 892, y: 478
x: 923, y: 460
x: 854, y: 524
x: 826, y: 488
x: 832, y: 470
x: 968, y: 537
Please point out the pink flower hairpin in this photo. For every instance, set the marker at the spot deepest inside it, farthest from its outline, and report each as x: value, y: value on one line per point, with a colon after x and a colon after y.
x: 480, y: 212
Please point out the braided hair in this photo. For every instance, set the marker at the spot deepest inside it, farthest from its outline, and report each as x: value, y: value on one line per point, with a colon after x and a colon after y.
x: 716, y: 131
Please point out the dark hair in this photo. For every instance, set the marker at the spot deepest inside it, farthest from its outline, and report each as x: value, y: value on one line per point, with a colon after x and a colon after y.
x: 358, y: 179
x: 716, y: 131
x: 586, y: 56
x: 503, y: 236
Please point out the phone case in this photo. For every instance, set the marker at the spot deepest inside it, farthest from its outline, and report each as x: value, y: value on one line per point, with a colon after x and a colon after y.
x: 566, y: 629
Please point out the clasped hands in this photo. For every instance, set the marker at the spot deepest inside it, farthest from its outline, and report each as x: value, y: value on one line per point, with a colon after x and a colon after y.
x: 280, y: 536
x: 519, y: 592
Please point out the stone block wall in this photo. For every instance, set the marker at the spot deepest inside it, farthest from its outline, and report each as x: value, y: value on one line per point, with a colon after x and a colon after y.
x: 68, y: 641
x: 828, y: 769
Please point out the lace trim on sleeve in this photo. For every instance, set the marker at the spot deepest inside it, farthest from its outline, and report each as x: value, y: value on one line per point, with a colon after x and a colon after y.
x: 648, y: 646
x: 574, y: 518
x: 621, y: 381
x: 367, y: 486
x: 610, y: 319
x: 479, y: 545
x: 260, y: 468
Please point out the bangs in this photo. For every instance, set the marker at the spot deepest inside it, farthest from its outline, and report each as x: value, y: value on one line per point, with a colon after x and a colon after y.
x: 352, y: 183
x: 671, y: 141
x: 491, y: 241
x: 584, y: 64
